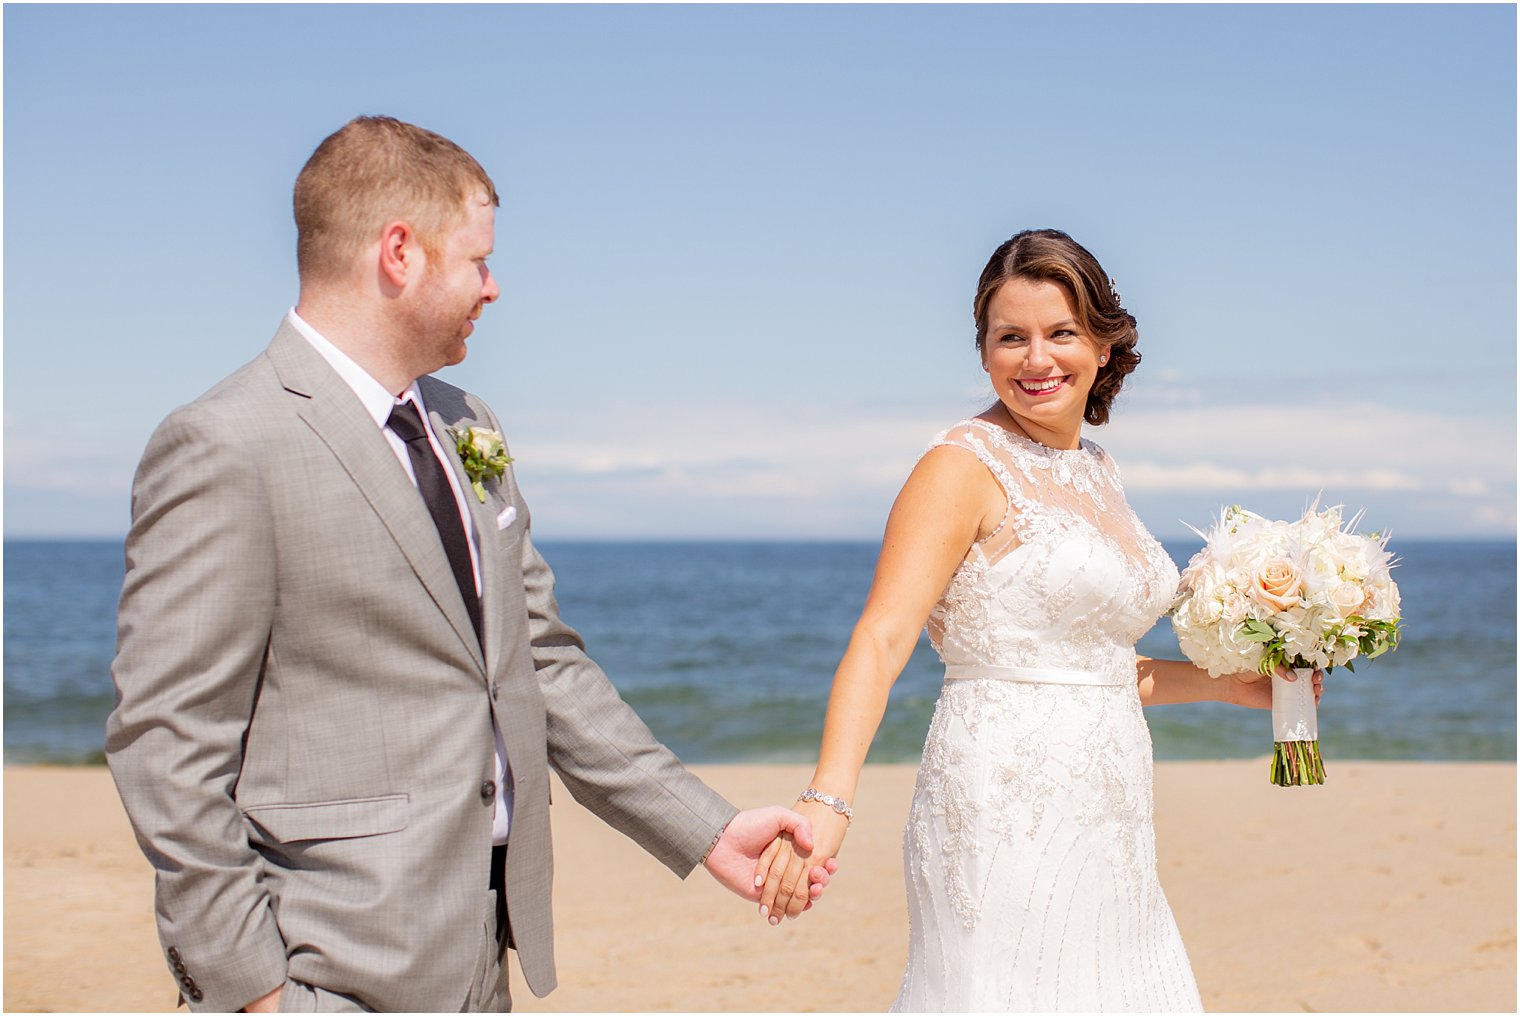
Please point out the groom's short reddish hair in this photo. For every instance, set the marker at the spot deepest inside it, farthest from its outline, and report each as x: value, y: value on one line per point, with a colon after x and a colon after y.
x: 374, y: 170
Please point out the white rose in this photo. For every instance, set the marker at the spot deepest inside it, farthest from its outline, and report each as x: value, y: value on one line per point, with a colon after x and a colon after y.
x: 1323, y: 570
x: 1267, y: 542
x: 1383, y: 602
x: 1234, y: 607
x: 486, y: 441
x: 1355, y: 555
x: 1198, y: 610
x: 1347, y: 598
x: 1198, y: 574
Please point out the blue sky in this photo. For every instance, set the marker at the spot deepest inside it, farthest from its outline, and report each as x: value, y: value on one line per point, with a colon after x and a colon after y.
x: 737, y: 244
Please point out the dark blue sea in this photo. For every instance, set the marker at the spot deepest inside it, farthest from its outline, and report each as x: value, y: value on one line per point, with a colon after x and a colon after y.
x: 727, y: 651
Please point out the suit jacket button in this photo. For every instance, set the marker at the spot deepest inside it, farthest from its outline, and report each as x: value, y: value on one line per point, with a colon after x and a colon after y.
x: 488, y: 791
x: 173, y: 954
x: 196, y: 994
x: 179, y: 967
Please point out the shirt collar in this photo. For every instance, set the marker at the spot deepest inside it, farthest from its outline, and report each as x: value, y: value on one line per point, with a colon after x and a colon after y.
x: 377, y: 401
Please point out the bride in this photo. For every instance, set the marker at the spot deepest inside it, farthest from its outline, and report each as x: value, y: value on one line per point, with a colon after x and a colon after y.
x: 1030, y: 850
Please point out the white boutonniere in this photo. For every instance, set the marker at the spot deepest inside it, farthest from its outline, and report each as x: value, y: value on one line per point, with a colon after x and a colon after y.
x: 484, y: 454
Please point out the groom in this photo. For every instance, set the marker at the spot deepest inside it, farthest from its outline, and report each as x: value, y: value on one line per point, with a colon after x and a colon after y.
x: 341, y: 674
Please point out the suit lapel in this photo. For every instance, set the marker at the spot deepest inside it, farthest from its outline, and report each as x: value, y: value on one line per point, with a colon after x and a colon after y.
x: 446, y: 410
x: 334, y: 413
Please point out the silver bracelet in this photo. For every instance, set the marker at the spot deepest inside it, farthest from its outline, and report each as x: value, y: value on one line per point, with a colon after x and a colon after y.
x: 837, y: 803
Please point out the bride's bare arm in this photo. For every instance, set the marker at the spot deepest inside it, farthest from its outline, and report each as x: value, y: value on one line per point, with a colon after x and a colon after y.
x: 1166, y: 682
x: 943, y: 507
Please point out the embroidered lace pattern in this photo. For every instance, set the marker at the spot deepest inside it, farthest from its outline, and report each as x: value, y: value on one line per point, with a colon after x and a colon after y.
x: 1030, y: 848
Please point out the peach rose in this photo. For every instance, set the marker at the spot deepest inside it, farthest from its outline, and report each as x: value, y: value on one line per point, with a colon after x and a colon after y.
x: 1277, y: 584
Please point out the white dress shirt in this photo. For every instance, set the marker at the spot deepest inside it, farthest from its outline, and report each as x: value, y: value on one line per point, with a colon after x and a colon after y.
x: 378, y: 403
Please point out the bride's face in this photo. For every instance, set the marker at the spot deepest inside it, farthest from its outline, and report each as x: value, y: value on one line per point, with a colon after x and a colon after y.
x: 1041, y: 362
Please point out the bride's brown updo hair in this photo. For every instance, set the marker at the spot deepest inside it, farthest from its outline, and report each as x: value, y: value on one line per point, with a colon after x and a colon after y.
x: 1049, y: 255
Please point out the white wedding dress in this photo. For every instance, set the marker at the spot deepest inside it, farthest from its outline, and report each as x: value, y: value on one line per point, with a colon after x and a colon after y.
x: 1030, y: 851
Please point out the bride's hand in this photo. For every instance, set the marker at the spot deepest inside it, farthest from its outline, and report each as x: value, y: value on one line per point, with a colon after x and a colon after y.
x: 1254, y: 690
x: 783, y: 872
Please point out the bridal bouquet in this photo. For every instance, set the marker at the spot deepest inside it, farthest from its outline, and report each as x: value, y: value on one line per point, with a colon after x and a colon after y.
x: 1304, y: 595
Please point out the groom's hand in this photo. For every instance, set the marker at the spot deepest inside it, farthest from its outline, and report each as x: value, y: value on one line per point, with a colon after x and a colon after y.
x: 734, y: 857
x: 784, y: 892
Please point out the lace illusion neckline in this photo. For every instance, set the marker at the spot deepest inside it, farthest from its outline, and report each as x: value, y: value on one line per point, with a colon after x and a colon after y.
x: 1021, y: 442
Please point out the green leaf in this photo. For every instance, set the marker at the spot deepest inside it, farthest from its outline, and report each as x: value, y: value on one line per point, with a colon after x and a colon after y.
x: 1256, y: 631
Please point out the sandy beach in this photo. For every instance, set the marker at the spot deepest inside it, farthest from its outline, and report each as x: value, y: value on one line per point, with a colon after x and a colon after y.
x: 1391, y: 888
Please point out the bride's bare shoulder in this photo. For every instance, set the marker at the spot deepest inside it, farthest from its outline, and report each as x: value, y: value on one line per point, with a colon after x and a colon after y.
x: 954, y: 476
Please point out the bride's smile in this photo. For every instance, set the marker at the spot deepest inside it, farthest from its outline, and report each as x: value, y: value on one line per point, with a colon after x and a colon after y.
x: 1044, y: 386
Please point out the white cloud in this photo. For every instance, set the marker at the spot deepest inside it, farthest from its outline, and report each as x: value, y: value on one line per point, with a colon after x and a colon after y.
x: 718, y: 470
x: 1496, y: 517
x: 1468, y: 488
x: 1379, y: 447
x: 779, y: 469
x: 1210, y: 476
x: 70, y: 462
x: 776, y: 469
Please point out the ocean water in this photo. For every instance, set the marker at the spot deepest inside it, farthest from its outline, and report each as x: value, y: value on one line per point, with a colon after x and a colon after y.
x: 727, y: 650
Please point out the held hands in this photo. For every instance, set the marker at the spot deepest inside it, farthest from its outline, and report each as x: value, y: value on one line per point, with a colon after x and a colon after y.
x: 784, y: 891
x: 736, y: 857
x: 1254, y: 690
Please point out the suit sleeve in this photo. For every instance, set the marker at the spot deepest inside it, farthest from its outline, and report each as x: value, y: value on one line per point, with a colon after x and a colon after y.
x: 193, y: 624
x: 602, y: 751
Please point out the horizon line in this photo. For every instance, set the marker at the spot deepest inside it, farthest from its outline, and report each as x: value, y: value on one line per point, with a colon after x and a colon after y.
x: 1479, y: 537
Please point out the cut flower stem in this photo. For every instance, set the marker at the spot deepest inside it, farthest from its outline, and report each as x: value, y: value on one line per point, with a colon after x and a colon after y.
x: 1297, y: 764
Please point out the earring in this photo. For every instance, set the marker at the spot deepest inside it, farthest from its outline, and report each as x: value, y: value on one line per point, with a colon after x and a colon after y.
x: 1102, y: 360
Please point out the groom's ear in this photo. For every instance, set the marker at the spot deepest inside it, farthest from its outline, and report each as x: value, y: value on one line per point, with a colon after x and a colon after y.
x: 401, y: 257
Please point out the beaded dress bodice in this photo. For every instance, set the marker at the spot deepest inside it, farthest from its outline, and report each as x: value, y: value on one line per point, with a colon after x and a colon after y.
x: 1070, y: 580
x: 1030, y: 849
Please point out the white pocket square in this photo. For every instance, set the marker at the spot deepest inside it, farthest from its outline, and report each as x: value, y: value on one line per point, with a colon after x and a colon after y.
x: 507, y: 517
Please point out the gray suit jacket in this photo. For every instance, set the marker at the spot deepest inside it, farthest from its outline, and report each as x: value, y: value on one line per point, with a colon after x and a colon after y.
x: 303, y: 733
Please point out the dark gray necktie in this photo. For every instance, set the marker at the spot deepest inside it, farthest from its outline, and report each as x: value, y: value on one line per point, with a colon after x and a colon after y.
x: 436, y: 493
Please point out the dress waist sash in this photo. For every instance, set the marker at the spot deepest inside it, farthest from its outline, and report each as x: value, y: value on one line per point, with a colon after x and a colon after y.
x: 1032, y: 675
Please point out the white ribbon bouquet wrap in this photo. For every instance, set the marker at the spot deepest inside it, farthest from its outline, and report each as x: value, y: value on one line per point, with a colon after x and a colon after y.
x: 1305, y: 595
